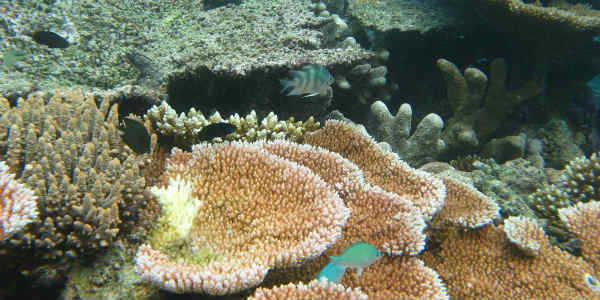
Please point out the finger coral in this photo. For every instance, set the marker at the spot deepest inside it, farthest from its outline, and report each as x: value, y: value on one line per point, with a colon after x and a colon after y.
x: 18, y: 205
x: 314, y: 290
x: 254, y: 211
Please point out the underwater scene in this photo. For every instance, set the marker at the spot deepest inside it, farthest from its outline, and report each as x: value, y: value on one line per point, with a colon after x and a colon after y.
x: 299, y: 149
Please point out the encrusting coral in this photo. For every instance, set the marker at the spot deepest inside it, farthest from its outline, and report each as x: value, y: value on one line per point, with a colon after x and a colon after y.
x: 88, y: 183
x: 254, y: 211
x: 18, y: 206
x: 423, y: 146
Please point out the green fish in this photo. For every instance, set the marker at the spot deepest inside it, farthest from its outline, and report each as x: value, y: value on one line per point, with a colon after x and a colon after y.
x: 357, y: 256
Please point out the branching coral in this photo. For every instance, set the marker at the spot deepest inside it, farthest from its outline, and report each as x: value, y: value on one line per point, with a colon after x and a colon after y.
x: 89, y: 184
x: 579, y: 184
x: 185, y: 127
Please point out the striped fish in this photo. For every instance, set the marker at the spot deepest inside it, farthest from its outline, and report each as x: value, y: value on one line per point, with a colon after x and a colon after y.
x: 310, y: 80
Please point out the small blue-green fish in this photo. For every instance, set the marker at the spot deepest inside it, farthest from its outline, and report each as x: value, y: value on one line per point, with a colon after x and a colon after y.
x: 310, y: 80
x: 333, y: 272
x: 357, y: 256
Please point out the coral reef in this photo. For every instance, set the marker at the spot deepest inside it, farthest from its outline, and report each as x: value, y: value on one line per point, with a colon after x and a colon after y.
x: 88, y: 183
x: 425, y: 143
x: 254, y: 211
x: 314, y: 290
x: 18, y: 205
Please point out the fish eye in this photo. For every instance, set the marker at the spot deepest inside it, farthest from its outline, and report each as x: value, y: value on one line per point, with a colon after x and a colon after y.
x: 592, y: 282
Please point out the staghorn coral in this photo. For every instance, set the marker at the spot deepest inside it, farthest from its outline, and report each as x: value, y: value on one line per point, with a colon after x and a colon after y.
x: 89, y: 184
x: 479, y: 264
x: 472, y: 121
x: 381, y: 168
x: 254, y: 211
x: 316, y: 290
x: 18, y: 205
x: 423, y: 146
x: 185, y: 127
x: 583, y: 220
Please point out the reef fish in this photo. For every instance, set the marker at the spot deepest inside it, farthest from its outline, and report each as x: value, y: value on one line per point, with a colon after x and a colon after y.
x: 216, y: 130
x: 135, y: 135
x: 50, y: 39
x: 333, y: 272
x: 357, y: 256
x: 310, y: 80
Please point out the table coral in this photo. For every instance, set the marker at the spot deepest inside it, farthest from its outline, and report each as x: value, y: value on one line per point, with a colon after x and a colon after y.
x: 583, y: 219
x: 472, y: 121
x: 381, y: 168
x: 465, y: 206
x: 481, y: 264
x: 255, y: 211
x: 314, y: 290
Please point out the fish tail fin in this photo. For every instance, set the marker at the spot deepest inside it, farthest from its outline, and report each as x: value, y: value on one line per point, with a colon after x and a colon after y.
x: 335, y: 259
